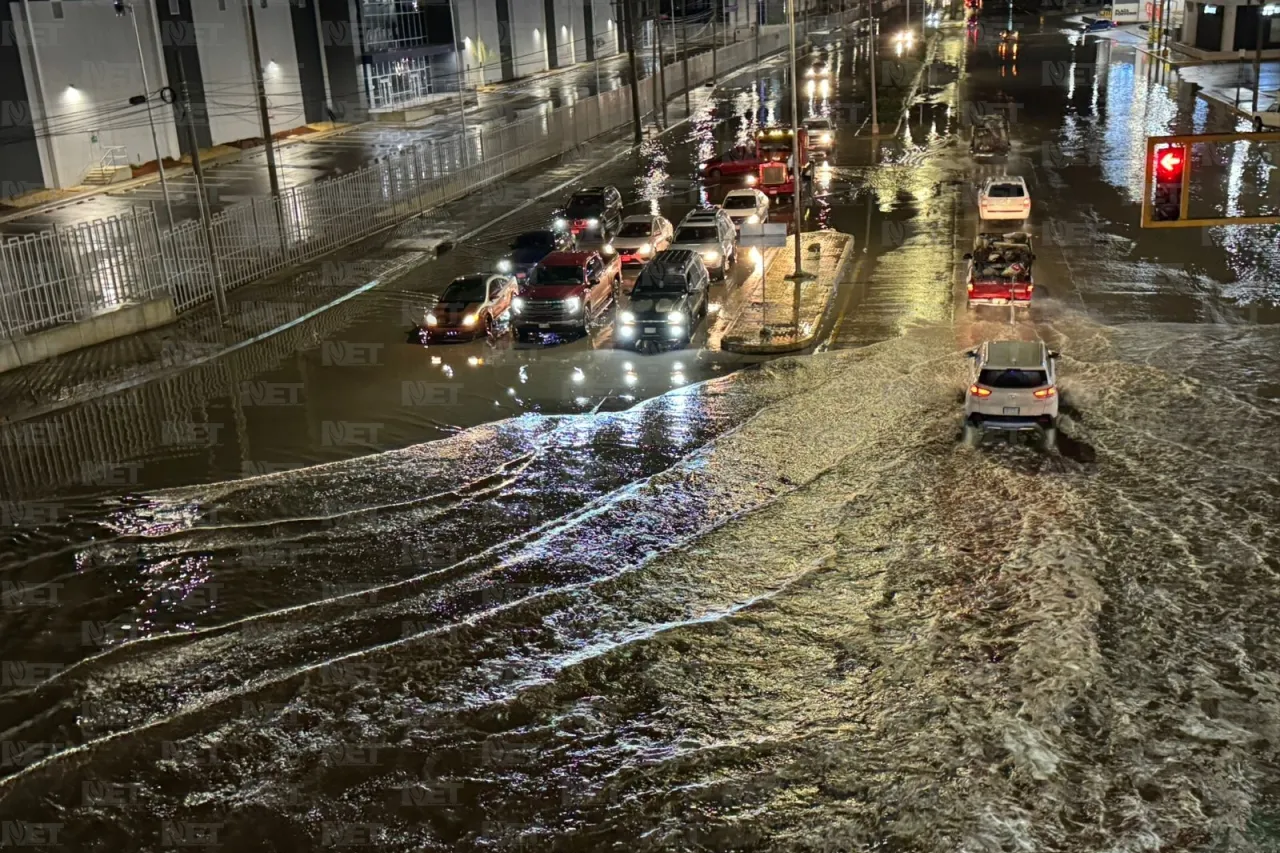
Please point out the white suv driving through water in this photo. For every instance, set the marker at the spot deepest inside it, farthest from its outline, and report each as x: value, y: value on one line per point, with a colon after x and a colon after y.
x: 1004, y: 198
x: 1013, y: 388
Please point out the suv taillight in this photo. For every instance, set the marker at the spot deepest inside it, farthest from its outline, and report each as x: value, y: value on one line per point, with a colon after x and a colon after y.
x: 979, y: 391
x: 1045, y: 393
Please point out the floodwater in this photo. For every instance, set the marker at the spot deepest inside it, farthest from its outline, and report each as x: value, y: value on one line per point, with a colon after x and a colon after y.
x: 782, y: 609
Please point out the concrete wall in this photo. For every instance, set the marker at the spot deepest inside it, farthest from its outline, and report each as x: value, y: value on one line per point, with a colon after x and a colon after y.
x: 228, y: 71
x: 87, y: 68
x: 606, y: 36
x: 478, y: 29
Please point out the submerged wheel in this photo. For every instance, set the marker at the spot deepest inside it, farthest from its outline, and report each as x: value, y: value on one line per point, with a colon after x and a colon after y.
x: 1257, y: 125
x: 1049, y: 439
x: 972, y: 435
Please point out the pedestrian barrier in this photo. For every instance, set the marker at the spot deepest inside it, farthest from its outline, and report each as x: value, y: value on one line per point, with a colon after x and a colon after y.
x: 70, y: 274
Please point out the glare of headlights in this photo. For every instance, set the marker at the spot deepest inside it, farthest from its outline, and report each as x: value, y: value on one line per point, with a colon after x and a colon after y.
x: 593, y: 223
x: 431, y: 319
x: 677, y: 378
x: 711, y: 257
x: 676, y: 318
x: 579, y: 376
x: 632, y: 379
x: 753, y: 219
x: 811, y: 87
x: 825, y: 88
x: 751, y: 180
x: 573, y: 304
x: 678, y: 366
x: 628, y: 366
x: 517, y: 304
x: 469, y: 320
x: 825, y: 139
x: 626, y: 331
x: 809, y: 73
x: 504, y: 265
x: 627, y: 317
x: 473, y: 361
x: 645, y: 248
x: 702, y: 167
x: 755, y: 255
x: 561, y: 224
x: 608, y: 248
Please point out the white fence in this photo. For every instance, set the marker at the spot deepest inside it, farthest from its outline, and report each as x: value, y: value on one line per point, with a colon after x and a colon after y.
x: 67, y: 275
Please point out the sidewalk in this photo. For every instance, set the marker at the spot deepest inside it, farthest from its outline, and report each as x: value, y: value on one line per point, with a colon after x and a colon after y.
x: 763, y: 317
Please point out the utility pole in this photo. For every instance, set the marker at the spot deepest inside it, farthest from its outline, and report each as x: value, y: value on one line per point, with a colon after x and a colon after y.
x: 219, y: 297
x: 871, y: 60
x: 715, y: 41
x: 1257, y: 57
x: 462, y: 81
x: 797, y: 177
x: 146, y: 95
x: 262, y: 103
x: 662, y: 67
x: 684, y: 50
x: 629, y: 21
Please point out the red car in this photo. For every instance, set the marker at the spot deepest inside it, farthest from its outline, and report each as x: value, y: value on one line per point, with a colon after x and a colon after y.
x: 738, y: 161
x: 566, y: 291
x: 1000, y: 270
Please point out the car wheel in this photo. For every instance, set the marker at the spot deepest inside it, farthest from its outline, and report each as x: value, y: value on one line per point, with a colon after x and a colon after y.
x: 1049, y: 439
x: 486, y: 328
x: 1257, y: 125
x: 585, y: 328
x: 972, y: 435
x: 722, y: 273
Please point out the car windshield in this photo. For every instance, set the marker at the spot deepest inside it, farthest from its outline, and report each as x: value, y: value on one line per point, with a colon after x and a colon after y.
x: 534, y: 240
x: 470, y: 289
x: 818, y: 124
x: 558, y: 275
x: 634, y: 229
x: 581, y: 206
x: 1012, y: 378
x: 739, y: 202
x: 653, y: 283
x: 696, y: 234
x: 1005, y: 191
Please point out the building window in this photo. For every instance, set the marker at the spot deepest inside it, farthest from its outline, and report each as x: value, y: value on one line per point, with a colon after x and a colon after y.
x: 56, y: 6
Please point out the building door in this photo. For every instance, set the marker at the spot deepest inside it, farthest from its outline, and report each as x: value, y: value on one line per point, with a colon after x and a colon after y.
x: 1209, y: 27
x: 1246, y: 37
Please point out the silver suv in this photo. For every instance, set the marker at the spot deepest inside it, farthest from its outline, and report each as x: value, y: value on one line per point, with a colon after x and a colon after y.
x: 711, y: 234
x: 1013, y: 389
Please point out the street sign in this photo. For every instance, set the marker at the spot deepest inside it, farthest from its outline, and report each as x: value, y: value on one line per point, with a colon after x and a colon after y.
x: 764, y: 235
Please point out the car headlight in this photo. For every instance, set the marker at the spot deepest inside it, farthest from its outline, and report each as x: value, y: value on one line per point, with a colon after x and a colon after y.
x: 504, y: 265
x: 431, y: 319
x: 627, y: 317
x: 608, y: 248
x: 593, y: 223
x: 711, y: 257
x: 825, y: 139
x: 676, y: 318
x: 751, y: 180
x: 645, y: 248
x: 809, y: 73
x: 469, y: 320
x: 753, y: 219
x: 573, y: 304
x: 702, y: 167
x: 517, y: 304
x: 561, y: 224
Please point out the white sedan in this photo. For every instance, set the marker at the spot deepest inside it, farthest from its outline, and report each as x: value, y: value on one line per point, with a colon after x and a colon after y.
x: 747, y: 205
x: 1268, y: 118
x: 1004, y: 198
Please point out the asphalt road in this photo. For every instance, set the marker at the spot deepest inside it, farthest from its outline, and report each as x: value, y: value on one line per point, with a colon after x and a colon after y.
x: 779, y: 609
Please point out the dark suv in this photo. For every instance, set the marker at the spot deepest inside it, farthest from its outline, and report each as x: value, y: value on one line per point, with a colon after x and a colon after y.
x: 593, y: 210
x: 667, y: 302
x: 565, y: 292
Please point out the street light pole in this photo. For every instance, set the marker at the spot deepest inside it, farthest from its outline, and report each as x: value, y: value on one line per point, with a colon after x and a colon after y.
x: 263, y: 115
x: 462, y: 80
x: 797, y: 181
x: 146, y: 94
x: 871, y: 59
x: 1257, y: 54
x: 629, y: 16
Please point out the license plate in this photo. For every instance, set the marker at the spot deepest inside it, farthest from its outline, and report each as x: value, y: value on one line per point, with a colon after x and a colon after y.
x: 650, y: 330
x: 1011, y: 410
x: 544, y: 325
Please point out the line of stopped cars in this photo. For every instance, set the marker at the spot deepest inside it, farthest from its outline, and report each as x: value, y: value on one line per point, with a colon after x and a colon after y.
x: 562, y: 280
x: 1013, y: 387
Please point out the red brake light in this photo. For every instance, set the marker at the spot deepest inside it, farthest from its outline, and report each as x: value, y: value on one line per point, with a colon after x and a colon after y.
x: 979, y: 391
x: 1045, y: 393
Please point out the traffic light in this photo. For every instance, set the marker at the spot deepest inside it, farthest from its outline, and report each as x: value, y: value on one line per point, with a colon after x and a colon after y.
x: 1171, y: 162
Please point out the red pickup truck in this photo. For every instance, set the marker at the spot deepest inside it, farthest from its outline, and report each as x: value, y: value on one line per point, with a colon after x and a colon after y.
x: 565, y: 293
x: 1000, y: 269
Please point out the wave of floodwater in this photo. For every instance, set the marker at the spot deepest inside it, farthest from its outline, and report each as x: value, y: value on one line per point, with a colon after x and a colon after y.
x: 784, y: 610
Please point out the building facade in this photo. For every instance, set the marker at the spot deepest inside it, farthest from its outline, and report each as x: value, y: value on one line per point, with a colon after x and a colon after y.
x: 1230, y: 26
x: 72, y: 71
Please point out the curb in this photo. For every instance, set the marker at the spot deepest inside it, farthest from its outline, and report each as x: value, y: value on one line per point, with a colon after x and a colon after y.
x: 742, y: 347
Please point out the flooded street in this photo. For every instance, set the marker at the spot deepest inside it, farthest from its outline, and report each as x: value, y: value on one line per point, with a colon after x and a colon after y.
x: 695, y: 601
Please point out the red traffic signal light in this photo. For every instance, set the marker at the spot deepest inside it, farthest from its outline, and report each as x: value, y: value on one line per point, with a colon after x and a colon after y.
x: 1169, y: 162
